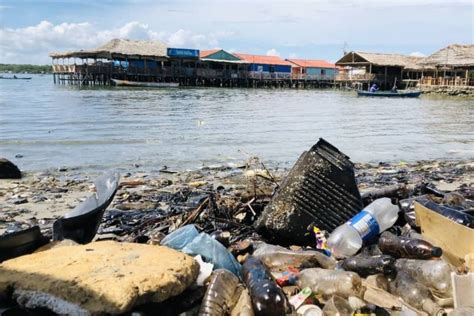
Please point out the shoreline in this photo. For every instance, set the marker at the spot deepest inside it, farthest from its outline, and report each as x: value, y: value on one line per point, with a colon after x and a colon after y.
x: 41, y: 197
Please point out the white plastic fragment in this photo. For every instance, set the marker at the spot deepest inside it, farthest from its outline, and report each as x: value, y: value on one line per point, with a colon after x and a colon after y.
x: 205, y: 270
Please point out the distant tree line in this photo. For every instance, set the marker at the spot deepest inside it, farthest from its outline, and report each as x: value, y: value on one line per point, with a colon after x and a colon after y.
x: 32, y: 69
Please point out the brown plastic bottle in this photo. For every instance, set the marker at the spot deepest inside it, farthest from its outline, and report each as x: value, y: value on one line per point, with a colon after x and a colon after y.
x: 267, y: 296
x: 403, y: 247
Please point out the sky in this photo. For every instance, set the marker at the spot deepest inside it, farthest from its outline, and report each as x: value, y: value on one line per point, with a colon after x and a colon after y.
x: 313, y: 29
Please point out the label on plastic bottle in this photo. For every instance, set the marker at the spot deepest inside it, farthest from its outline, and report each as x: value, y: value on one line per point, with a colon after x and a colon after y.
x: 366, y: 225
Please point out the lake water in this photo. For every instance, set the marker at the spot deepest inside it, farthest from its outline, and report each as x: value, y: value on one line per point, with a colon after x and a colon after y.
x: 99, y: 128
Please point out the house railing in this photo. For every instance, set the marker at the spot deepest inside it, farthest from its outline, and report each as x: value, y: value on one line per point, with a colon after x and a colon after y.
x: 447, y: 81
x: 355, y: 77
x: 312, y: 77
x: 221, y: 74
x: 269, y: 75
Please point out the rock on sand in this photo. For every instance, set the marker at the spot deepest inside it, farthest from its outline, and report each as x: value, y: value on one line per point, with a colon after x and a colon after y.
x: 8, y: 170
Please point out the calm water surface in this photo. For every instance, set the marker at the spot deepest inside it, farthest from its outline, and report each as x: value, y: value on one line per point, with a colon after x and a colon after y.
x: 96, y: 128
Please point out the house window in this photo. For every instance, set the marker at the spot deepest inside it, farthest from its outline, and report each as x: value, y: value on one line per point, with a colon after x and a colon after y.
x: 323, y: 72
x: 272, y: 68
x: 260, y: 68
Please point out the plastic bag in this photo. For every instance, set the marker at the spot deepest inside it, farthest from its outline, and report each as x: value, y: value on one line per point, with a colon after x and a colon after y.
x: 188, y: 240
x: 180, y: 237
x: 214, y: 252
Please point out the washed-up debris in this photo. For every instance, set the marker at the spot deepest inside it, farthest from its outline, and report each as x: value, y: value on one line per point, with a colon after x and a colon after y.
x: 414, y: 293
x: 412, y: 210
x: 363, y: 228
x: 190, y: 241
x: 267, y: 297
x: 279, y: 258
x: 457, y: 215
x: 463, y: 287
x: 324, y: 283
x: 445, y: 232
x: 366, y: 265
x: 402, y: 247
x: 337, y: 305
x: 319, y: 190
x: 82, y: 222
x: 434, y: 274
x: 101, y: 277
x: 21, y: 243
x: 243, y: 307
x: 221, y: 295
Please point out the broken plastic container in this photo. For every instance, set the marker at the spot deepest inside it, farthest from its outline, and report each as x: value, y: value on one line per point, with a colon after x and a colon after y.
x: 82, y: 222
x: 320, y: 190
x: 377, y: 217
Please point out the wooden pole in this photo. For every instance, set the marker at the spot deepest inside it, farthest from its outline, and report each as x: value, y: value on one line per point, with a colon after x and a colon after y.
x: 370, y: 77
x: 385, y: 79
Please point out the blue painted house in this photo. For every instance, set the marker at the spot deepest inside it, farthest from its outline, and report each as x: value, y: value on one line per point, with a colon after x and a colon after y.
x: 312, y: 69
x: 266, y: 67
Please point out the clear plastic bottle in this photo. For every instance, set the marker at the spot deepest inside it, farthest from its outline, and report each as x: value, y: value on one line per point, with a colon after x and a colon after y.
x: 330, y: 282
x: 434, y: 274
x: 414, y: 294
x: 377, y: 217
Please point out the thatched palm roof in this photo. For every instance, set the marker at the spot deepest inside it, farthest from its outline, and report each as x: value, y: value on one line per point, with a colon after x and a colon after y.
x: 380, y: 59
x: 452, y: 55
x: 119, y: 48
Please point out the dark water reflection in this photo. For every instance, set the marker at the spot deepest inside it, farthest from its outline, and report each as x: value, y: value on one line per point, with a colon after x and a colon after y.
x: 55, y: 126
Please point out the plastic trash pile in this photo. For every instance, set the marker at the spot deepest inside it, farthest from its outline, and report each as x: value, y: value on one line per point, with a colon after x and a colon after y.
x: 319, y: 247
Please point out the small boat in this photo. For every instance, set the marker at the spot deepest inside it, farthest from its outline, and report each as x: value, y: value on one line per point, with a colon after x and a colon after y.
x: 390, y: 94
x: 15, y: 78
x: 126, y: 83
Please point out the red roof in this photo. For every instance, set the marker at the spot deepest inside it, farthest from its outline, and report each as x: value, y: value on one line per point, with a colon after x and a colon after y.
x: 264, y: 60
x: 308, y: 63
x: 205, y: 53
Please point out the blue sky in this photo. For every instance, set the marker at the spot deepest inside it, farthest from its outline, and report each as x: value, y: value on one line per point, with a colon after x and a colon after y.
x: 318, y: 29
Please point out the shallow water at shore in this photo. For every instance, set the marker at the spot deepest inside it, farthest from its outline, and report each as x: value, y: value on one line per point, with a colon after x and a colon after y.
x: 99, y: 128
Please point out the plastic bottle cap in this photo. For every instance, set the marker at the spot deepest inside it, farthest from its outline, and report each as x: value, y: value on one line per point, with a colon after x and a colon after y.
x: 436, y: 252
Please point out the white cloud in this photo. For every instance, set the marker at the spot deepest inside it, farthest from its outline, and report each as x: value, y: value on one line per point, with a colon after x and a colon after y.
x: 32, y: 44
x: 273, y: 52
x: 189, y: 39
x: 417, y: 54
